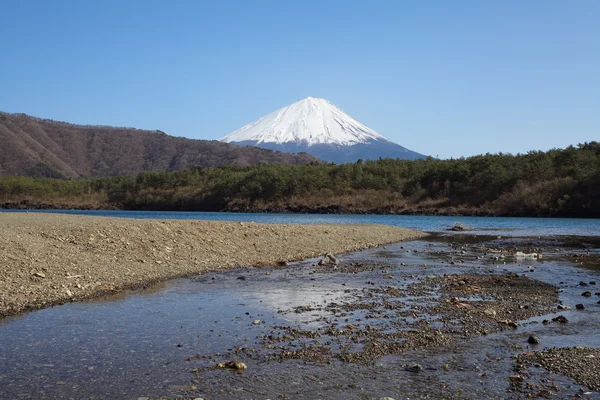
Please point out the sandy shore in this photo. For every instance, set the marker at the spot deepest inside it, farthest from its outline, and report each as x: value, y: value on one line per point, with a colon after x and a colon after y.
x: 48, y: 259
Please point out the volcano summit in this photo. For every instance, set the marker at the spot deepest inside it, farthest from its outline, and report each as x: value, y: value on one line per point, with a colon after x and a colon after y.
x: 318, y: 127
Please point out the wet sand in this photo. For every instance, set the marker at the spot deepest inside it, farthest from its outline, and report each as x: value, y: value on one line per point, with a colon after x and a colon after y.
x: 48, y: 259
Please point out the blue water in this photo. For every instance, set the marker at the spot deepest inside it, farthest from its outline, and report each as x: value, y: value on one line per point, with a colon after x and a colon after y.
x: 506, y: 226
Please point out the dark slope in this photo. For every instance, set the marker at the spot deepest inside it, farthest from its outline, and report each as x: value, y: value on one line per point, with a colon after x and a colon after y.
x: 339, y: 154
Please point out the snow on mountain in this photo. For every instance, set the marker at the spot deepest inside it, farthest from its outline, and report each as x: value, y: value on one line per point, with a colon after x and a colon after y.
x: 310, y: 120
x: 318, y: 127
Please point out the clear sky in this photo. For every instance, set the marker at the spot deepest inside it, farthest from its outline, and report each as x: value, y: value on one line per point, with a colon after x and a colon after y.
x: 445, y: 78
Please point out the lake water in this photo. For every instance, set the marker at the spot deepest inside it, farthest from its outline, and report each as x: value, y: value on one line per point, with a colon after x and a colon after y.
x: 506, y: 226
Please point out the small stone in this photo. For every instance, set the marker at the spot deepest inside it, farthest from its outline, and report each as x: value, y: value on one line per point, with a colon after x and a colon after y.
x: 582, y: 284
x: 39, y: 274
x: 509, y: 323
x: 386, y: 398
x: 592, y: 282
x: 563, y: 307
x: 586, y: 294
x: 489, y: 311
x: 241, y: 278
x: 533, y: 340
x: 329, y: 259
x: 143, y: 398
x: 580, y: 306
x: 414, y: 368
x: 256, y: 322
x: 560, y: 319
x: 232, y: 365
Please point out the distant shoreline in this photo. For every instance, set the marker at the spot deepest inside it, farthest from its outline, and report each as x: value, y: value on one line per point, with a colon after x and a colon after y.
x: 324, y: 210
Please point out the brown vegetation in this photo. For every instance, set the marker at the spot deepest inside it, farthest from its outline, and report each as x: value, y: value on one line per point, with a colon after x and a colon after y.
x: 50, y: 149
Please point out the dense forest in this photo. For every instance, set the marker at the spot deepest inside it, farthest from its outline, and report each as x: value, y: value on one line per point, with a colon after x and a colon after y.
x: 559, y: 182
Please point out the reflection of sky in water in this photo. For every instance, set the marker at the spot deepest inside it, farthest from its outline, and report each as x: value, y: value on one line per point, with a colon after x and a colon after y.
x: 131, y: 341
x: 506, y: 226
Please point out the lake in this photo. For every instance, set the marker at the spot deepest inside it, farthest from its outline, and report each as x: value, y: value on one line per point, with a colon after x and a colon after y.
x: 506, y: 226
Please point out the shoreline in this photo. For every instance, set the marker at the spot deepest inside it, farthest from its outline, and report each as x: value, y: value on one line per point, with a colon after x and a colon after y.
x: 50, y: 259
x: 420, y: 210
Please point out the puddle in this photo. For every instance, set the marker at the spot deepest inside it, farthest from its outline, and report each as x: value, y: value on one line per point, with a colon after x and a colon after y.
x: 166, y: 340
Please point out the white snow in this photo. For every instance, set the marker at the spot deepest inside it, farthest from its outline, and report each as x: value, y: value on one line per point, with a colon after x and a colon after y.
x: 308, y: 121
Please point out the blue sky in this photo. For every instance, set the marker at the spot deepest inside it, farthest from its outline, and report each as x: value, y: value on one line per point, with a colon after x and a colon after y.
x: 445, y: 78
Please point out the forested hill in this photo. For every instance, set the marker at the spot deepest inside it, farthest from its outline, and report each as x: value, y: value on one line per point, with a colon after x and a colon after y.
x: 44, y: 148
x: 554, y: 183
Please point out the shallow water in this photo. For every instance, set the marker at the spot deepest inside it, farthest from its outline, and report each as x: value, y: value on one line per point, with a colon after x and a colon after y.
x: 506, y: 226
x: 138, y: 344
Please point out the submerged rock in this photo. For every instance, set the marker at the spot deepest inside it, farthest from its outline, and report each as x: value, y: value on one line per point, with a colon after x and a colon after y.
x: 560, y: 319
x: 533, y: 340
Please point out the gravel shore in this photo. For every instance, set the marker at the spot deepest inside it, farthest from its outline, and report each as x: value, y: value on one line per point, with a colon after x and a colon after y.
x: 48, y: 259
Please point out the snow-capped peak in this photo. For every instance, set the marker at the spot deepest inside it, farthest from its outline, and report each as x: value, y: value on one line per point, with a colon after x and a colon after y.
x: 308, y: 121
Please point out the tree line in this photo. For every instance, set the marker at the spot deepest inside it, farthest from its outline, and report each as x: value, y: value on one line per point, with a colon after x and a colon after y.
x: 558, y: 182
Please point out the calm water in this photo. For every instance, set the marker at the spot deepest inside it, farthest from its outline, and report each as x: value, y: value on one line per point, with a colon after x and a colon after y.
x: 507, y: 226
x: 139, y: 344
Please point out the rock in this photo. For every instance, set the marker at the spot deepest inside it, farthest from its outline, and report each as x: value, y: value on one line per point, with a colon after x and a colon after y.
x: 414, y: 368
x: 563, y: 307
x: 509, y: 323
x: 386, y: 398
x: 39, y: 274
x: 256, y: 322
x: 533, y: 340
x: 241, y: 278
x: 527, y: 256
x: 582, y: 284
x: 597, y: 293
x: 586, y: 294
x: 592, y: 282
x: 143, y: 398
x: 580, y: 306
x: 560, y: 319
x: 329, y: 259
x: 516, y: 378
x: 239, y: 366
x: 489, y: 311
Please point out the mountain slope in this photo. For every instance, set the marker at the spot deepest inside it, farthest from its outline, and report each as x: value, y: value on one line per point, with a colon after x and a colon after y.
x: 38, y: 147
x: 318, y: 127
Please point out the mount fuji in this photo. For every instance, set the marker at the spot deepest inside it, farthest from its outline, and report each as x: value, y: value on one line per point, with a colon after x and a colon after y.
x: 318, y: 127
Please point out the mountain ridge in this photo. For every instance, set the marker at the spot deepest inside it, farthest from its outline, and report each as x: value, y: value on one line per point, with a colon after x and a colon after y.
x: 42, y: 147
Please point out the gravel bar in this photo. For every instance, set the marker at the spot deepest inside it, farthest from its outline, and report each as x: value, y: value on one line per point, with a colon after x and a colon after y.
x: 48, y: 259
